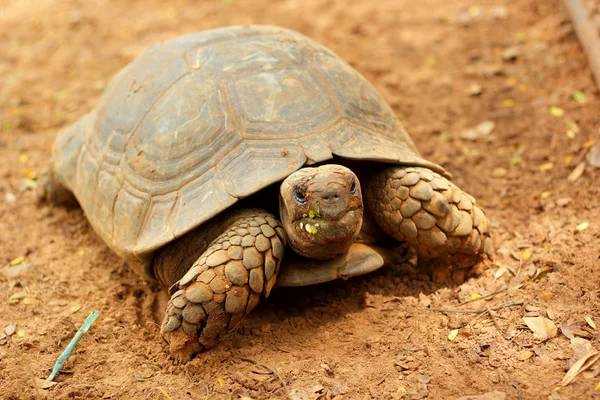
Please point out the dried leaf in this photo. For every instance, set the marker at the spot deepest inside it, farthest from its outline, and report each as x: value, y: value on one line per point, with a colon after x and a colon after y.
x: 526, y: 255
x: 508, y: 103
x: 542, y: 328
x: 10, y: 329
x: 165, y: 394
x: 593, y: 157
x: 221, y: 381
x: 525, y: 355
x: 581, y: 365
x: 577, y: 172
x: 546, y: 166
x: 579, y: 97
x: 474, y: 296
x: 74, y: 308
x: 557, y: 111
x: 17, y: 261
x: 44, y: 383
x: 453, y: 334
x: 566, y: 330
x: 545, y: 296
x: 597, y: 386
x: 20, y: 333
x: 580, y: 347
x: 501, y: 271
x: 590, y: 322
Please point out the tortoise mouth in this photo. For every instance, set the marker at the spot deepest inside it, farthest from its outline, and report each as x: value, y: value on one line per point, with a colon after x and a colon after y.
x: 321, y: 210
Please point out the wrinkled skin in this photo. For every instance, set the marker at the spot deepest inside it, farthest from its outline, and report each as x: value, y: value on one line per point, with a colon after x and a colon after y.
x: 321, y: 210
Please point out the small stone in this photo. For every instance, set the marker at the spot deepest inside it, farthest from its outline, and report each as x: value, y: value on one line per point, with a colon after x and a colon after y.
x: 198, y: 292
x: 254, y: 230
x: 267, y: 231
x: 236, y: 272
x: 465, y: 224
x: 409, y: 207
x: 206, y: 276
x: 193, y: 313
x: 277, y: 247
x: 252, y: 258
x: 217, y: 258
x: 172, y: 324
x: 256, y: 280
x: 179, y: 302
x: 511, y: 53
x: 410, y: 179
x: 248, y: 241
x: 235, y: 252
x: 219, y: 284
x: 465, y: 203
x: 423, y: 220
x: 262, y: 243
x: 408, y: 228
x: 189, y: 276
x: 270, y: 265
x: 237, y: 299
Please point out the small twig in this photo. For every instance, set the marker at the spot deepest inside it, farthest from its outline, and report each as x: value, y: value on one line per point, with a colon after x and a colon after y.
x: 251, y: 361
x: 71, y: 346
x: 487, y: 296
x: 481, y: 310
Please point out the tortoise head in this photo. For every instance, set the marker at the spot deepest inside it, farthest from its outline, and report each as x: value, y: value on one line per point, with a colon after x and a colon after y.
x: 321, y: 210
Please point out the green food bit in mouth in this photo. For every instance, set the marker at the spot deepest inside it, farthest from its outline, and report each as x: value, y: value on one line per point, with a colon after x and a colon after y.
x: 314, y: 213
x: 311, y: 229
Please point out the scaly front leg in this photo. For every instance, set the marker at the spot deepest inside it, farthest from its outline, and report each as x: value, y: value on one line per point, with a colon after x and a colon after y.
x: 449, y: 231
x: 225, y: 283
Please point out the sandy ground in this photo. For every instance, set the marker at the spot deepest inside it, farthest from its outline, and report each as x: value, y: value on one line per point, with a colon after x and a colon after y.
x: 445, y: 67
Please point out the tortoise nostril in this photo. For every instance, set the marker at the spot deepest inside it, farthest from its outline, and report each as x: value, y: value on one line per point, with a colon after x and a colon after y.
x: 330, y: 196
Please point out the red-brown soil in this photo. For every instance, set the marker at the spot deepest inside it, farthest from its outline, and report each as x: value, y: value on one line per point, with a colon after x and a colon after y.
x: 444, y: 67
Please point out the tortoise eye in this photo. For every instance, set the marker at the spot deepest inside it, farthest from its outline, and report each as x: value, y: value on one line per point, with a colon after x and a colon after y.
x: 353, y: 188
x: 299, y: 196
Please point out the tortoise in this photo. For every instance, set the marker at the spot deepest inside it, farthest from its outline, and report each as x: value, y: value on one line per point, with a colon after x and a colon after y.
x: 211, y: 155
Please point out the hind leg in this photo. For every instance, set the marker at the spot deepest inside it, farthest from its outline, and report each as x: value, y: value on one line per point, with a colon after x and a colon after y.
x: 449, y: 231
x: 225, y: 283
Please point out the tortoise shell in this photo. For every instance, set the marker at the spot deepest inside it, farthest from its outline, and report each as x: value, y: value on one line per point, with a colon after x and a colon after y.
x: 196, y: 123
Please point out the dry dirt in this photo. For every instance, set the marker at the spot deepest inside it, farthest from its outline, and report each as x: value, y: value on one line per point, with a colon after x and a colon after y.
x: 445, y: 67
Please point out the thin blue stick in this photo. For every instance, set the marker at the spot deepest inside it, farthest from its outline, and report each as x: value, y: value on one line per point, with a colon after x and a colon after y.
x: 71, y: 346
